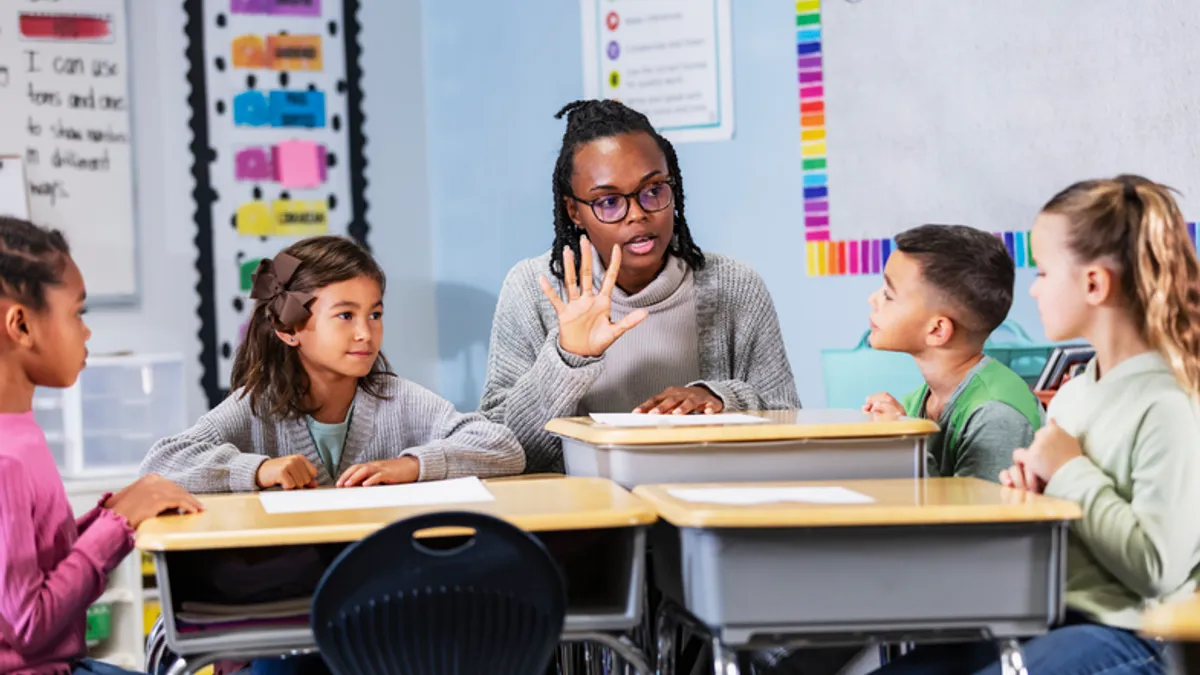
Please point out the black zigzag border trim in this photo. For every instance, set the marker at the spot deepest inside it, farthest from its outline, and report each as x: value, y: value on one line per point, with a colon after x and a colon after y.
x: 202, y: 195
x: 359, y: 227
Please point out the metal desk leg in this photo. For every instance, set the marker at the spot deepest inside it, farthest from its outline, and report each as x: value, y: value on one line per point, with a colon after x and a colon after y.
x: 621, y: 645
x: 180, y: 667
x: 566, y: 653
x: 1012, y: 659
x: 665, y: 633
x: 591, y: 659
x: 724, y: 659
x: 155, y: 642
x: 157, y: 654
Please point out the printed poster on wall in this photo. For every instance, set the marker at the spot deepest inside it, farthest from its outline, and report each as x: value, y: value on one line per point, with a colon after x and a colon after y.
x: 278, y: 148
x: 670, y: 59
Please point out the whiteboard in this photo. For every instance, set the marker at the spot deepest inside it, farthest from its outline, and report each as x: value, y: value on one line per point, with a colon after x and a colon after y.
x: 977, y: 111
x: 65, y: 109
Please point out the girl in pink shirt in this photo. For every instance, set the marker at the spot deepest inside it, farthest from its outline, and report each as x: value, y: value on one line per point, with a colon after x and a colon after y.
x: 52, y: 565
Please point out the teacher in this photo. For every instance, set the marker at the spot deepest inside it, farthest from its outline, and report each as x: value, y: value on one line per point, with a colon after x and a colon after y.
x: 650, y: 323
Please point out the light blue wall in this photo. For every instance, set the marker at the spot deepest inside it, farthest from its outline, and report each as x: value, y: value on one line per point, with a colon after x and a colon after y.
x: 397, y: 190
x: 495, y: 74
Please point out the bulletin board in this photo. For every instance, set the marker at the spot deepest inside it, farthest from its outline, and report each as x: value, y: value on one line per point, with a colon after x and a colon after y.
x: 65, y: 112
x: 278, y: 147
x: 977, y: 112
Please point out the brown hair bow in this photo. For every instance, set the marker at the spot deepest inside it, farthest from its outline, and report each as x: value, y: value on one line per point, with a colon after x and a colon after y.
x: 289, y: 308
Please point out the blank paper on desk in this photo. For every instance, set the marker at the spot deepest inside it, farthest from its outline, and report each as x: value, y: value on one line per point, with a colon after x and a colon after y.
x: 457, y: 491
x: 743, y: 496
x: 642, y: 420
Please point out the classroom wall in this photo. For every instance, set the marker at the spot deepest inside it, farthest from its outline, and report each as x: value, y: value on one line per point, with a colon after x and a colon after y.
x: 494, y: 78
x: 397, y: 187
x: 165, y: 320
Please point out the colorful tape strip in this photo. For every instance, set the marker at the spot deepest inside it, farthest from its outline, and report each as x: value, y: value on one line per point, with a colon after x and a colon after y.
x: 826, y: 256
x: 46, y: 26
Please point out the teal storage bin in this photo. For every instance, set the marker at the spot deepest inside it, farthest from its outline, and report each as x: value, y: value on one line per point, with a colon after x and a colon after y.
x: 851, y: 375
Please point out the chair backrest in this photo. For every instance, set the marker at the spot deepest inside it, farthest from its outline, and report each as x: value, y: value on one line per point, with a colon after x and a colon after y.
x: 393, y: 604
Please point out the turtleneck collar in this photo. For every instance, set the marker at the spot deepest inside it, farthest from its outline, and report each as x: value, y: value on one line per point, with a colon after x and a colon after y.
x: 672, y: 276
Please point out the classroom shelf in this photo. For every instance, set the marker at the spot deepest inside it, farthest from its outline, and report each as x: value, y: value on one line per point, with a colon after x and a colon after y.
x: 125, y: 646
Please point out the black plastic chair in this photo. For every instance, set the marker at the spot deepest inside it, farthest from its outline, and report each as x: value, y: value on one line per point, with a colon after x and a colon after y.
x: 393, y: 604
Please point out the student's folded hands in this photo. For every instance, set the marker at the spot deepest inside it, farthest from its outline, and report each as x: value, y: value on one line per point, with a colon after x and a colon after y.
x: 1020, y: 477
x: 405, y: 469
x: 1034, y: 466
x: 883, y: 405
x: 682, y: 401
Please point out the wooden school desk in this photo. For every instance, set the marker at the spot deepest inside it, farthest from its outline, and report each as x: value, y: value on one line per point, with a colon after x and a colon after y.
x: 927, y: 560
x: 793, y: 445
x: 595, y: 529
x: 1178, y: 623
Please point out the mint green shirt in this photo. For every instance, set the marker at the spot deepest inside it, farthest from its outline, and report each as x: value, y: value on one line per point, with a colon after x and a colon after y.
x: 330, y: 439
x: 1138, y: 484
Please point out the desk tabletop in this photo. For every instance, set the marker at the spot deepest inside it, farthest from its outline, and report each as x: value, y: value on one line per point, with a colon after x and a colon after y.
x: 536, y: 505
x: 1177, y: 621
x: 782, y: 425
x: 895, y: 502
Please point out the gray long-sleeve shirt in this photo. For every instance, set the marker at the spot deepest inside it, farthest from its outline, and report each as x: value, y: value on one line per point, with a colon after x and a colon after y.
x: 224, y: 449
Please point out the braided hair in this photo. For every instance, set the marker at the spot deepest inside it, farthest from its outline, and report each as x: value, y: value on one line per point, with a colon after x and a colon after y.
x: 31, y: 260
x: 587, y: 121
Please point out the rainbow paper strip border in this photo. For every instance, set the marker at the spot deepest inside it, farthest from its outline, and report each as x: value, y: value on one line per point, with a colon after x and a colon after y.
x: 826, y: 256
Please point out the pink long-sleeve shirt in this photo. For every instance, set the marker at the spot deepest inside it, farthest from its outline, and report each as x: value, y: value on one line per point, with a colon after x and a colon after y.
x: 52, y: 566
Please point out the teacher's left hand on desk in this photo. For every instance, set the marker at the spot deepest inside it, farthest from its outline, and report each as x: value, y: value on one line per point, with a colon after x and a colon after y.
x: 682, y: 401
x: 383, y: 472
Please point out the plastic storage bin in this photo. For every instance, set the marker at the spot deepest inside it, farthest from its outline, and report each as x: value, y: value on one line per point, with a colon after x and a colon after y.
x: 851, y: 375
x: 99, y: 623
x: 121, y: 405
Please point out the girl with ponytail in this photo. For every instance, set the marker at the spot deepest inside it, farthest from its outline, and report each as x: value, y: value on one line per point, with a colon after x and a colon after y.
x: 1115, y: 267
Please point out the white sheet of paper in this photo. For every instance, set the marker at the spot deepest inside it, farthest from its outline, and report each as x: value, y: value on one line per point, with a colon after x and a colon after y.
x: 634, y: 420
x: 742, y: 496
x: 454, y: 491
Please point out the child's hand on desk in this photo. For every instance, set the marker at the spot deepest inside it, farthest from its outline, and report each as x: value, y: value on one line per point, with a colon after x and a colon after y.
x: 150, y: 496
x: 1051, y: 449
x: 682, y: 401
x: 289, y: 473
x: 884, y: 405
x: 405, y: 469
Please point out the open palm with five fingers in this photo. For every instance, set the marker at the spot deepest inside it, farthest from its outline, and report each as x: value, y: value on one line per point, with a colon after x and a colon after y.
x: 585, y: 326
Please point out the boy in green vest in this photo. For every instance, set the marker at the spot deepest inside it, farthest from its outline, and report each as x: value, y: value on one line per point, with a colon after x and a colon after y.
x: 946, y: 288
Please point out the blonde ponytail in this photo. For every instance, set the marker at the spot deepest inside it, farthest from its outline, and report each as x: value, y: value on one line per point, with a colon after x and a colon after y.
x: 1167, y: 276
x: 1136, y: 224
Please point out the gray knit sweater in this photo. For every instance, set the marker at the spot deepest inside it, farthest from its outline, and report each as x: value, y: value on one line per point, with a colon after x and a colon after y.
x: 223, y: 451
x: 531, y: 381
x: 636, y: 365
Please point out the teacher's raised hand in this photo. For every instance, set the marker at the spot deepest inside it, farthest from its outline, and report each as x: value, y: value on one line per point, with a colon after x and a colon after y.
x: 585, y: 326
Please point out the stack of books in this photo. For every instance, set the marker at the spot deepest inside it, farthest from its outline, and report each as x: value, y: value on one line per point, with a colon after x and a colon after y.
x: 1064, y: 363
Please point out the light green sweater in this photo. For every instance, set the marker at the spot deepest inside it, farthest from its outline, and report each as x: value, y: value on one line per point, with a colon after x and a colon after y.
x: 1138, y: 484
